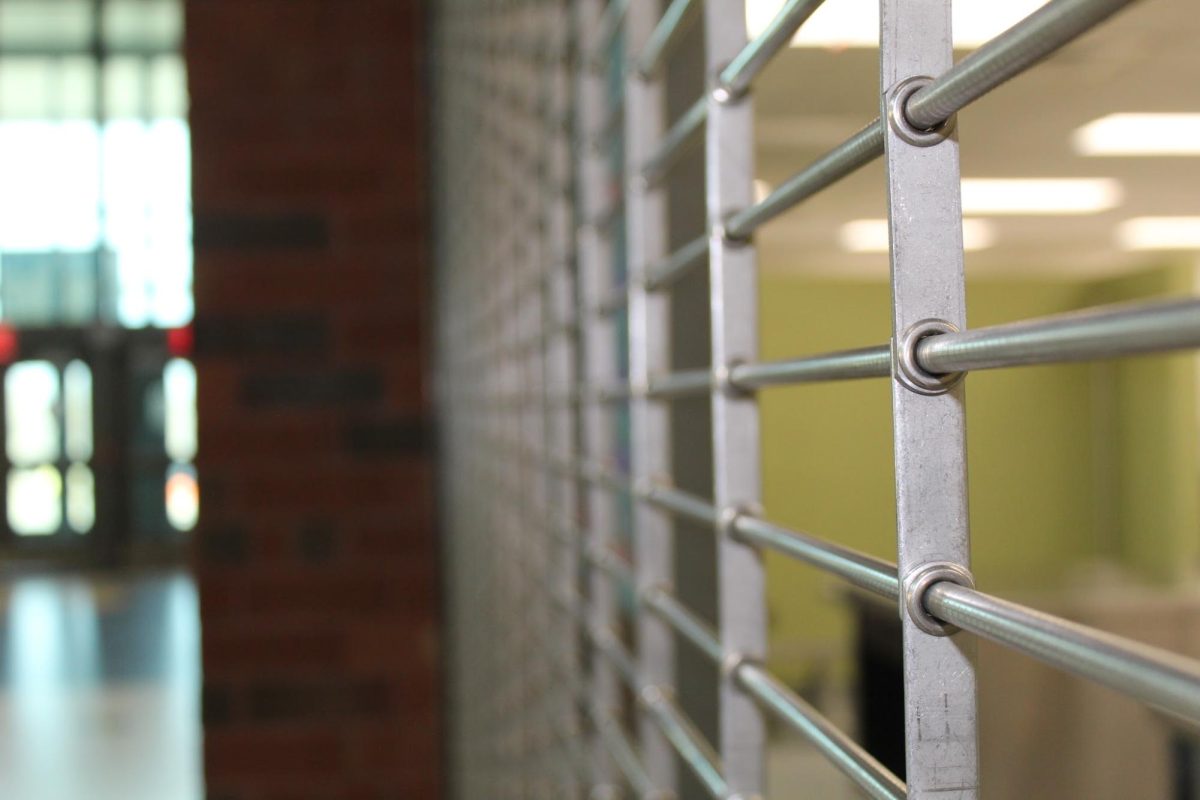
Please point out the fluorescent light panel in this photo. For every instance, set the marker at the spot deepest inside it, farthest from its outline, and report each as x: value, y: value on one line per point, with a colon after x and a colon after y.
x: 1159, y: 233
x: 1037, y: 196
x: 855, y: 23
x: 871, y: 235
x: 1140, y: 135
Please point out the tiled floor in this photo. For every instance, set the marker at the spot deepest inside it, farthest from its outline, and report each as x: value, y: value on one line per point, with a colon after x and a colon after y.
x: 99, y: 688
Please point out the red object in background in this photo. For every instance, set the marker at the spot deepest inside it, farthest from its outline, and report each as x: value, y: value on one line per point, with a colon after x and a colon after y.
x: 181, y: 341
x: 10, y: 344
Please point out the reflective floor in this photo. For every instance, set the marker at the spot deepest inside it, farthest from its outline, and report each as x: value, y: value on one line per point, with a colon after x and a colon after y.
x: 99, y: 688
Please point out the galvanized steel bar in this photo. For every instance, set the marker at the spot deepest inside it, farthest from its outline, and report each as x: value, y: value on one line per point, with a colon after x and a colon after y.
x: 859, y: 150
x: 733, y: 305
x: 868, y: 362
x: 623, y: 754
x: 674, y: 23
x: 1020, y: 47
x: 691, y: 627
x: 595, y: 257
x: 673, y: 267
x: 675, y: 142
x: 868, y: 774
x: 925, y: 221
x: 1105, y: 332
x: 736, y: 78
x: 678, y: 384
x: 1161, y: 679
x: 696, y: 753
x: 648, y: 348
x: 864, y: 571
x: 610, y: 28
x: 682, y: 503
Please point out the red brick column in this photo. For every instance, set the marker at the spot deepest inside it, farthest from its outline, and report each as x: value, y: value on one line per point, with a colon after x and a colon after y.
x: 315, y: 555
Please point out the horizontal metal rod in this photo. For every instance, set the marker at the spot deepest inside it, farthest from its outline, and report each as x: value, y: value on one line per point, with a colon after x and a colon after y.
x: 674, y: 143
x: 1040, y: 34
x: 866, y: 572
x: 736, y: 78
x: 868, y: 362
x: 1105, y: 332
x: 1020, y: 47
x: 1161, y: 679
x: 860, y: 149
x: 608, y: 644
x: 612, y: 119
x: 683, y: 504
x: 622, y: 753
x: 610, y: 28
x: 687, y: 741
x: 612, y: 565
x: 685, y: 382
x: 687, y: 624
x: 674, y: 23
x: 614, y: 302
x: 667, y: 271
x: 846, y: 754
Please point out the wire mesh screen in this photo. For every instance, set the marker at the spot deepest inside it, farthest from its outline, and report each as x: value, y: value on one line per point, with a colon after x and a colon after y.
x: 556, y: 269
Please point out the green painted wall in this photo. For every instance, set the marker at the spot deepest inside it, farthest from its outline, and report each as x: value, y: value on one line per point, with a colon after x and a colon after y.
x: 1068, y: 464
x: 1152, y: 411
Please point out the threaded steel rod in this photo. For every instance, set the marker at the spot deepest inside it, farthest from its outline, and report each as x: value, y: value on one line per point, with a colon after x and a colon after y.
x: 842, y: 751
x: 741, y: 72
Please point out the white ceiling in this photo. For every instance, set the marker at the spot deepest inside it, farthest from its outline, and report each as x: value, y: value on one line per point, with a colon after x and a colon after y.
x: 1147, y: 58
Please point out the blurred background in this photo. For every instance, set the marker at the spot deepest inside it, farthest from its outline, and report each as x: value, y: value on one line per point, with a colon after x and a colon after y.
x: 214, y: 263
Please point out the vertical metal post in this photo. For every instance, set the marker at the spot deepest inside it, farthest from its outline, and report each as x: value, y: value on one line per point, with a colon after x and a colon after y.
x: 600, y: 358
x: 733, y: 296
x: 649, y: 329
x: 924, y: 211
x: 560, y: 376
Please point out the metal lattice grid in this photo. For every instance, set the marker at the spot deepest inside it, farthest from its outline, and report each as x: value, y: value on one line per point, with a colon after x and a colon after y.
x: 555, y: 272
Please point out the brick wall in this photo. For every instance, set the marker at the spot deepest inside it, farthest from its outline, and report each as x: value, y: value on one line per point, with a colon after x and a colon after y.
x: 314, y: 556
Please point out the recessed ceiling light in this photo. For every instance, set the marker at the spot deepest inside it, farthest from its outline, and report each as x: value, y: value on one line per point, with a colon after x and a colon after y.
x: 1037, y: 196
x: 871, y: 235
x: 1159, y: 233
x: 1140, y: 135
x: 855, y: 23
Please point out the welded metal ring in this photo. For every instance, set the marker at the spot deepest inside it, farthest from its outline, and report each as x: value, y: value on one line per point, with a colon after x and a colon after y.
x: 723, y: 380
x: 651, y: 697
x: 728, y: 518
x: 719, y: 233
x: 918, y: 583
x: 897, y: 103
x: 910, y: 373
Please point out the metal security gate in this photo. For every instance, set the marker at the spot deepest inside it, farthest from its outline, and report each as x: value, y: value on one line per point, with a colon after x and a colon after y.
x: 555, y: 270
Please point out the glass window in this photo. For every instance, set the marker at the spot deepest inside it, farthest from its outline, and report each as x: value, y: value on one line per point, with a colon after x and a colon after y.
x: 45, y: 24
x: 35, y: 500
x: 81, y: 498
x: 31, y: 396
x: 77, y: 410
x: 183, y: 497
x: 179, y: 385
x: 95, y: 214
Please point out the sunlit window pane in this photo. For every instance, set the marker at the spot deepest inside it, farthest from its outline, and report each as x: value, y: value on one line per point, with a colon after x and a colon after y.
x: 179, y: 387
x: 48, y: 24
x: 81, y: 498
x: 183, y: 497
x: 168, y: 87
x: 31, y: 396
x: 143, y: 24
x: 35, y: 501
x: 38, y: 159
x: 77, y: 411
